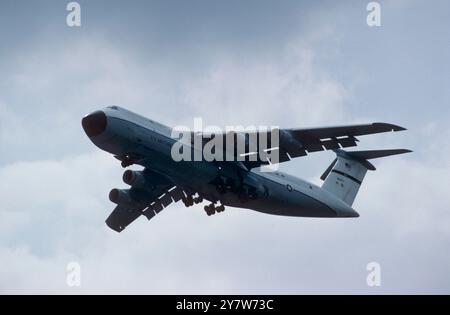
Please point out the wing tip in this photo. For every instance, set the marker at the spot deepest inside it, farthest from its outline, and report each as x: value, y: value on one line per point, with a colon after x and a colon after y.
x: 390, y: 127
x: 114, y: 227
x: 399, y: 151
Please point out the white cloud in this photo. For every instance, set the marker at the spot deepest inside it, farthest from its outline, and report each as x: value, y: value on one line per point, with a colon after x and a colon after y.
x: 53, y: 212
x: 52, y: 209
x: 291, y: 90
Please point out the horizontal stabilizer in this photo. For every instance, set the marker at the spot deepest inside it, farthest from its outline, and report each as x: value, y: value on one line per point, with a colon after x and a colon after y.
x: 374, y: 154
x: 346, y: 173
x: 363, y: 156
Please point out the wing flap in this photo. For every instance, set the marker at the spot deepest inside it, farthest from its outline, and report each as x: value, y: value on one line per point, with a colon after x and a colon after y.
x: 347, y: 142
x: 331, y: 144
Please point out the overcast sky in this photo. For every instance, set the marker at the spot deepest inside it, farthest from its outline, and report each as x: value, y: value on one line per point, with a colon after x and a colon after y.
x: 286, y: 63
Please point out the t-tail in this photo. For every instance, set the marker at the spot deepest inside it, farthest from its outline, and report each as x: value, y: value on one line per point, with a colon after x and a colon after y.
x: 346, y: 173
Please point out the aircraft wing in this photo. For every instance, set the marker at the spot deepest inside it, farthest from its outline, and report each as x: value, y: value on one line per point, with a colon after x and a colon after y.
x: 122, y: 216
x: 296, y: 141
x: 299, y: 142
x: 162, y: 195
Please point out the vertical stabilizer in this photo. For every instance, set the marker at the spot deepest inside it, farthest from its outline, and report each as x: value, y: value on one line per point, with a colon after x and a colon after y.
x: 345, y: 175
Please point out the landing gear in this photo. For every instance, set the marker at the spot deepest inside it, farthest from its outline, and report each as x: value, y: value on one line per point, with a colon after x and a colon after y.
x: 127, y: 161
x: 220, y: 208
x: 198, y: 199
x: 188, y: 201
x: 212, y: 209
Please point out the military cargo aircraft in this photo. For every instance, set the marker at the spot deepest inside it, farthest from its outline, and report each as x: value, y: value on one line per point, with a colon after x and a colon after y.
x: 242, y: 182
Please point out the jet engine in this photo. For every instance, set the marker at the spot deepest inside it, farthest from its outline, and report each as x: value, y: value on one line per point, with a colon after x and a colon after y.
x: 131, y: 198
x: 144, y: 180
x: 120, y: 196
x: 134, y: 178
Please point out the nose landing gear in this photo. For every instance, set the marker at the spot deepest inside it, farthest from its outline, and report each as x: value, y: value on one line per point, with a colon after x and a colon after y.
x: 127, y: 160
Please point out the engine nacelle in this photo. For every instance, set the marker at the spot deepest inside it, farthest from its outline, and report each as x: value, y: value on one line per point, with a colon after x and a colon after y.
x: 126, y: 197
x: 120, y: 196
x: 144, y: 180
x: 134, y: 178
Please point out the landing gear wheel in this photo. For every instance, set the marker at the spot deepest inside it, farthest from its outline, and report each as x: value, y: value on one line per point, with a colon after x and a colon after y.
x: 188, y: 201
x: 126, y: 163
x: 220, y: 208
x: 210, y: 210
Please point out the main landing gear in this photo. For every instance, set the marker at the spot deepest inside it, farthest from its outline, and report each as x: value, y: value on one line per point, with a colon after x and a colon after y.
x: 190, y: 200
x: 212, y: 209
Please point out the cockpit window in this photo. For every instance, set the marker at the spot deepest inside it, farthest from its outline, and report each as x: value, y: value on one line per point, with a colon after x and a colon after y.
x: 114, y: 107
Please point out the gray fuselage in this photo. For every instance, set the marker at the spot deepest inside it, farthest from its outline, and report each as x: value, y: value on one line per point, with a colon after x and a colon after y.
x: 128, y: 134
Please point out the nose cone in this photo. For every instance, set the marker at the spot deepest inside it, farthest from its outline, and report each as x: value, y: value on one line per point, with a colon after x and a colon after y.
x: 94, y: 124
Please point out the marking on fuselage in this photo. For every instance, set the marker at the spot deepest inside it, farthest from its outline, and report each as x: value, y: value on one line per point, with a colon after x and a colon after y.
x: 348, y: 176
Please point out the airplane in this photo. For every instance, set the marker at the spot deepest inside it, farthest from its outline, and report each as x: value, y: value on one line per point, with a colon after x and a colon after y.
x: 136, y: 140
